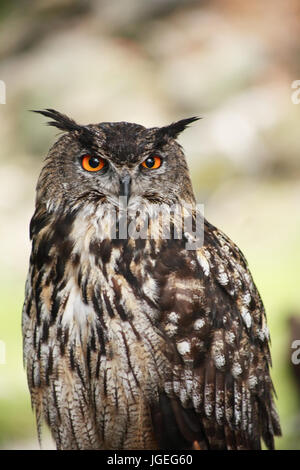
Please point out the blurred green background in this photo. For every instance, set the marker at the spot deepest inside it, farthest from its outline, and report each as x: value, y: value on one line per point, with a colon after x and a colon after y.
x: 152, y: 62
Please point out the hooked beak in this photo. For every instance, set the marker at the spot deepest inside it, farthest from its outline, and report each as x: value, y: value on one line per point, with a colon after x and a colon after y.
x: 125, y: 183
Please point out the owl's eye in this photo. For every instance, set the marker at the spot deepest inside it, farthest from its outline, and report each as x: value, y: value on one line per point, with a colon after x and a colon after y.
x: 91, y: 163
x: 152, y: 162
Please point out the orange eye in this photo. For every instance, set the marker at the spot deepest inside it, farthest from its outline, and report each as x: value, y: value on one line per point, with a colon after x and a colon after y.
x: 90, y: 163
x: 151, y: 163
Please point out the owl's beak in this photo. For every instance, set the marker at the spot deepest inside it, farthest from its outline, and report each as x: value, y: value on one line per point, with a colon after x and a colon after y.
x: 125, y: 183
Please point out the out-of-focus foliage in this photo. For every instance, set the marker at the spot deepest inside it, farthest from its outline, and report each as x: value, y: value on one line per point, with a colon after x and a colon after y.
x: 231, y: 62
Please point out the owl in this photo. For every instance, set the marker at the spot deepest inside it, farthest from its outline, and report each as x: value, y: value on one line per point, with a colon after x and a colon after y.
x: 137, y: 337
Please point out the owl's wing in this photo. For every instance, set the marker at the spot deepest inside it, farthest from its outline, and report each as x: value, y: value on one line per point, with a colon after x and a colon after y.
x: 220, y: 394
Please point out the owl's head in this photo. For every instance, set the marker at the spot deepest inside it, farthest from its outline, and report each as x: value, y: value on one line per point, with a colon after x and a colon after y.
x: 108, y: 160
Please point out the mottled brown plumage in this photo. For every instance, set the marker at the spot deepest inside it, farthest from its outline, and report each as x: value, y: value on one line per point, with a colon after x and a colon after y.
x: 138, y: 343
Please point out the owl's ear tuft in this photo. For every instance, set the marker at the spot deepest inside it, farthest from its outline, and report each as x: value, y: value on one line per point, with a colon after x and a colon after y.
x: 59, y: 120
x: 174, y: 129
x: 64, y: 123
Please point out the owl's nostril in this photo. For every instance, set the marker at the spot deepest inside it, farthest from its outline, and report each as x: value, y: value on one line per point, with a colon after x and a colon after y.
x: 125, y: 183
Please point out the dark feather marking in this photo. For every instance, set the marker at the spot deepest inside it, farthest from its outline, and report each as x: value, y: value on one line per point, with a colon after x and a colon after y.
x: 137, y: 335
x: 76, y: 259
x: 62, y: 229
x: 93, y: 340
x: 96, y: 305
x: 59, y: 435
x: 98, y: 365
x: 59, y: 333
x: 72, y: 428
x: 105, y: 250
x: 95, y: 249
x: 56, y: 403
x: 149, y: 301
x: 128, y: 358
x: 140, y: 244
x: 42, y: 256
x: 84, y: 290
x: 47, y: 417
x: 64, y: 341
x: 59, y: 270
x: 116, y: 398
x: 38, y: 222
x: 117, y: 304
x: 55, y: 306
x: 50, y: 276
x: 79, y: 373
x: 123, y: 267
x: 88, y: 359
x: 37, y: 291
x: 45, y: 334
x: 108, y: 306
x: 105, y: 382
x: 71, y: 355
x: 35, y: 336
x: 33, y: 384
x: 79, y: 277
x: 38, y: 353
x: 28, y: 306
x: 65, y: 300
x: 101, y: 339
x: 121, y: 311
x: 49, y: 368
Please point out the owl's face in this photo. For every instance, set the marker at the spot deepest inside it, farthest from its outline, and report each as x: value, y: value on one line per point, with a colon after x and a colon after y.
x: 108, y: 160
